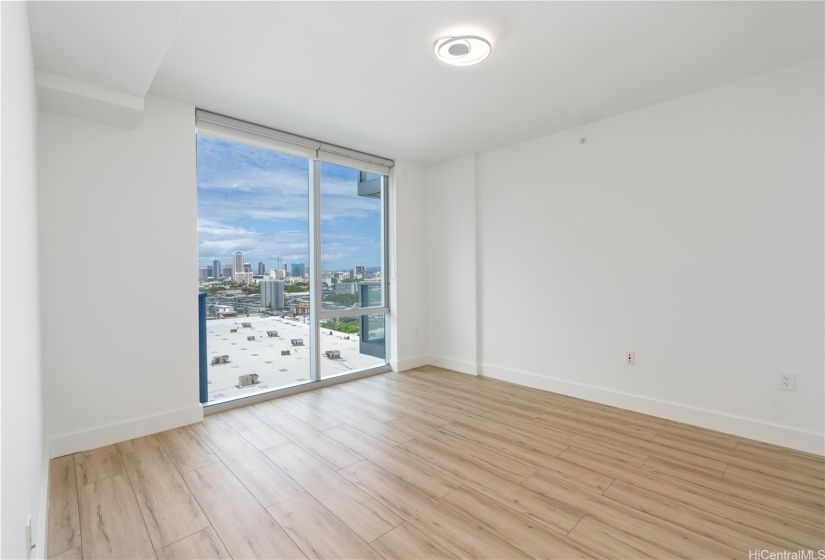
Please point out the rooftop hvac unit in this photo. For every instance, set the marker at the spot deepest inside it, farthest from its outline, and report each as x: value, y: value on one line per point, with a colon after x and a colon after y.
x: 246, y: 325
x: 285, y: 352
x: 346, y: 337
x: 233, y: 330
x: 251, y: 337
x: 297, y: 341
x: 247, y: 380
x: 333, y: 354
x: 271, y: 333
x: 220, y: 360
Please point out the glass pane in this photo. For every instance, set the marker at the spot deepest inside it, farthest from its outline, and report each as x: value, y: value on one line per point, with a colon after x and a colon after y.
x: 253, y: 243
x: 351, y: 238
x: 352, y: 344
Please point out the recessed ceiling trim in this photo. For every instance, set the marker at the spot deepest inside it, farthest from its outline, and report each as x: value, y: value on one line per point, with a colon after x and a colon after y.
x: 60, y: 94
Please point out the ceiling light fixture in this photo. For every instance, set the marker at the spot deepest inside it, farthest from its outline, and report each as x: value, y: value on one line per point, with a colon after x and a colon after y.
x: 462, y: 51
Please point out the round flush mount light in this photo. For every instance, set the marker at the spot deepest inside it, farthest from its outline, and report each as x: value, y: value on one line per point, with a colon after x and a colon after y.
x: 462, y: 51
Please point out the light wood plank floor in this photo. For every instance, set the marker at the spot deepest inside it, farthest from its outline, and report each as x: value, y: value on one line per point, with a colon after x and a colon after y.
x: 435, y: 464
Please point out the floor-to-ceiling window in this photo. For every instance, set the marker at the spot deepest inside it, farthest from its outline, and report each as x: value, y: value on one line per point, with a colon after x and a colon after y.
x: 352, y: 257
x: 291, y: 254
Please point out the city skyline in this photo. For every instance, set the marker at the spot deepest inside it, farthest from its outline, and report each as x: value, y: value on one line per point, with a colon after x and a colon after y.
x: 288, y: 268
x: 256, y: 201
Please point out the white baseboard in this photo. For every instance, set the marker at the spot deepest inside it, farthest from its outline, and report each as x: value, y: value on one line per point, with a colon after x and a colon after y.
x: 106, y: 435
x: 460, y: 366
x: 39, y: 551
x: 409, y: 363
x: 745, y: 427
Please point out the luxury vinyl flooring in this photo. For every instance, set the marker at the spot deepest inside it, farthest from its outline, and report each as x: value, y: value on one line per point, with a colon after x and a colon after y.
x: 435, y: 464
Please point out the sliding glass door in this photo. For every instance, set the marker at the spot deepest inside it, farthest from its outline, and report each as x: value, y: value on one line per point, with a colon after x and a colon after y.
x: 292, y: 254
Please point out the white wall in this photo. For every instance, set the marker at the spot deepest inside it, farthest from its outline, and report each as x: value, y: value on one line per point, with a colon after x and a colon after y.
x: 20, y: 385
x: 118, y: 222
x: 451, y: 278
x: 690, y: 232
x: 408, y: 268
x: 120, y: 205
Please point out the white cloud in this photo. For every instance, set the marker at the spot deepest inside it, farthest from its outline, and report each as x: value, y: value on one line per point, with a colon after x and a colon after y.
x: 247, y: 195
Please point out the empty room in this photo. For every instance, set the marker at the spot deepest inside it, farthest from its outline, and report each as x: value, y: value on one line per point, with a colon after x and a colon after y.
x: 412, y: 280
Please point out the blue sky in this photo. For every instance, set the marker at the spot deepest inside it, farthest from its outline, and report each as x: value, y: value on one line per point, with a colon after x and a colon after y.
x: 257, y: 201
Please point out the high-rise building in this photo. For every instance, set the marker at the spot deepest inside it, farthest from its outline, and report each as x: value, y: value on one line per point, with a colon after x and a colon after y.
x: 243, y: 277
x: 247, y: 267
x: 276, y: 274
x: 298, y: 270
x: 272, y: 293
x: 347, y: 287
x: 286, y: 271
x: 202, y: 274
x: 261, y: 269
x: 227, y: 272
x: 216, y: 270
x: 358, y: 271
x: 209, y: 272
x: 237, y: 262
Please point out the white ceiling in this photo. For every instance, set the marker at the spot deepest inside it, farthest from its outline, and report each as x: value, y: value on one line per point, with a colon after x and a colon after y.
x: 363, y: 75
x: 115, y: 45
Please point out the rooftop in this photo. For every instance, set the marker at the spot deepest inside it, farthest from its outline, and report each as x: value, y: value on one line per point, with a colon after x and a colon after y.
x: 263, y: 354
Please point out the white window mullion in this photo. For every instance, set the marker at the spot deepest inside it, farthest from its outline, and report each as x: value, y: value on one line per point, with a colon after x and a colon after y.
x: 315, y: 293
x: 360, y: 312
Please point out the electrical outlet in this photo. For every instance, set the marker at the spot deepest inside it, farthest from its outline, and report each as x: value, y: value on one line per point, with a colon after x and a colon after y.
x: 787, y: 381
x: 630, y: 358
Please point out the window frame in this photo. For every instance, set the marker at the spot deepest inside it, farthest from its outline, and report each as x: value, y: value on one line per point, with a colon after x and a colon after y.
x: 316, y: 152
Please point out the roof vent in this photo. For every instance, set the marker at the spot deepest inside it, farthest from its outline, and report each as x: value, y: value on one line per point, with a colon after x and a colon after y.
x: 247, y: 380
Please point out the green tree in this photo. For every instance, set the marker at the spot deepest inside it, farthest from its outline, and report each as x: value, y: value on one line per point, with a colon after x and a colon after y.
x: 348, y: 327
x: 293, y: 288
x: 347, y: 300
